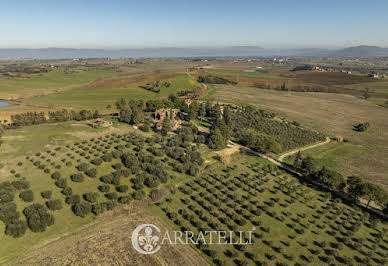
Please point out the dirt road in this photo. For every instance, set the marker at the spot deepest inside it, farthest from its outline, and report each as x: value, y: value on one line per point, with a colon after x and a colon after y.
x: 289, y: 153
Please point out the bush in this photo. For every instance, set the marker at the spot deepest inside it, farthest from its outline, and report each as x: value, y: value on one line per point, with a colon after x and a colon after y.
x: 92, y: 172
x: 73, y: 199
x: 54, y: 205
x: 122, y: 188
x: 111, y: 196
x: 46, y: 194
x: 79, y: 177
x: 125, y: 199
x: 61, y: 183
x: 82, y: 167
x: 67, y: 191
x: 97, y: 161
x: 97, y: 209
x: 138, y: 195
x: 82, y: 209
x: 104, y: 188
x: 27, y: 196
x: 56, y: 175
x: 16, y: 228
x: 117, y: 166
x: 21, y: 184
x: 38, y: 218
x: 91, y: 196
x: 108, y: 157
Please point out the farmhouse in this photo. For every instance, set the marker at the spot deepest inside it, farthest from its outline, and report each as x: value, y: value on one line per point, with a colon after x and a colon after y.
x: 175, y: 115
x: 373, y: 75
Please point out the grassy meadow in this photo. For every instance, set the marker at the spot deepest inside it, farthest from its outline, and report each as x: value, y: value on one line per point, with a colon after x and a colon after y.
x: 334, y: 115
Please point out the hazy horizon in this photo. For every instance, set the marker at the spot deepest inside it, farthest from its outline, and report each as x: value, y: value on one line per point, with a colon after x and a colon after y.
x: 182, y: 24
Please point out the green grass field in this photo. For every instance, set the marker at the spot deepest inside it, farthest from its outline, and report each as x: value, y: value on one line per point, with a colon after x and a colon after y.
x: 41, y: 84
x: 99, y: 98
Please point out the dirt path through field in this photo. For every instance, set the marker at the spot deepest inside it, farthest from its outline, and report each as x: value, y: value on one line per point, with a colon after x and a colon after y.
x: 289, y: 153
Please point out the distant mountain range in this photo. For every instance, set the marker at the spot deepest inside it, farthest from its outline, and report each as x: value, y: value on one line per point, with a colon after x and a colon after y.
x: 62, y: 53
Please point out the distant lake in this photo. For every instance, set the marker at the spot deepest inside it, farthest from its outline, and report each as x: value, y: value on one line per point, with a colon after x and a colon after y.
x: 249, y: 70
x: 3, y: 104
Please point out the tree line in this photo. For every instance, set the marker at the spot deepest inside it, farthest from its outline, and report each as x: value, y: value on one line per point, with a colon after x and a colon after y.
x: 353, y: 186
x: 35, y: 118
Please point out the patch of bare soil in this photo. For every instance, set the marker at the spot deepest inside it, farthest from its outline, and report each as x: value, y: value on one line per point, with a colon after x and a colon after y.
x: 108, y: 242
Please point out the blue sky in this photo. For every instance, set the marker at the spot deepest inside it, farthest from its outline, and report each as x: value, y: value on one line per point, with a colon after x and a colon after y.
x: 211, y: 23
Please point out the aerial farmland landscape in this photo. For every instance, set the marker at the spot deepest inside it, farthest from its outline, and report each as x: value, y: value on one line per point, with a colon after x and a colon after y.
x: 144, y: 134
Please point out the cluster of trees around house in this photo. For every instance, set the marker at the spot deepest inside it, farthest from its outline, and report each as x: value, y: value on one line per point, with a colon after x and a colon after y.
x: 361, y: 127
x: 354, y: 186
x: 156, y: 86
x: 35, y: 118
x: 135, y: 112
x: 214, y: 80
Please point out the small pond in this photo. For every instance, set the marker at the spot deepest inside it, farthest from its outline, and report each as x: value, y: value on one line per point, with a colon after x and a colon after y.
x: 3, y: 104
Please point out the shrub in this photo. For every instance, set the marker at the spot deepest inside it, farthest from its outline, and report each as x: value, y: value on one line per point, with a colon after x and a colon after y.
x: 97, y: 161
x: 138, y: 195
x: 73, y: 199
x: 82, y: 167
x: 104, y: 188
x: 27, y: 196
x: 79, y: 177
x: 122, y: 188
x: 125, y: 199
x: 54, y: 205
x: 56, y: 175
x: 91, y: 196
x: 61, y: 183
x: 67, y: 191
x: 92, y: 172
x: 16, y: 228
x: 38, y: 218
x: 116, y: 180
x: 82, y: 209
x: 108, y: 157
x: 117, y: 166
x: 116, y: 154
x: 109, y: 205
x: 46, y: 194
x: 21, y: 184
x: 97, y: 209
x: 111, y: 195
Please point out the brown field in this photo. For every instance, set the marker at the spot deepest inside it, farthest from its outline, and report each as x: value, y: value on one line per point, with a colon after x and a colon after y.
x: 366, y: 154
x: 331, y: 78
x: 107, y: 241
x: 135, y: 80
